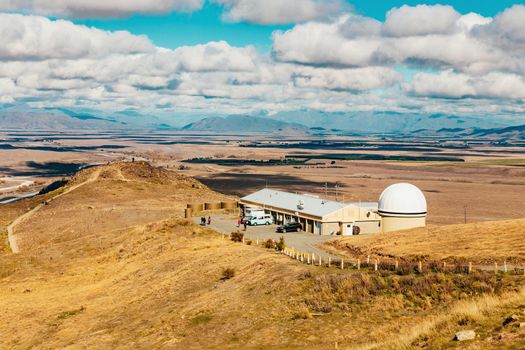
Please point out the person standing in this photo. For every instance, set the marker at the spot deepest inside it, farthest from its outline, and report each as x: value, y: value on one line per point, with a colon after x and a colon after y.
x: 238, y: 223
x: 209, y: 220
x: 245, y: 225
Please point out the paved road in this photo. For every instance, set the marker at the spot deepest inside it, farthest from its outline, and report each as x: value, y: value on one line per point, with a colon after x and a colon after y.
x: 303, y: 242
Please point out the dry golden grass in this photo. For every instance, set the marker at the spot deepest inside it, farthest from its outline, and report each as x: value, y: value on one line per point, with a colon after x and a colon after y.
x: 112, y: 265
x: 480, y: 243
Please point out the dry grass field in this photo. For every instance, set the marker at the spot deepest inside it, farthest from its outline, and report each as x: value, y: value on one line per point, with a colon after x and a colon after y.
x: 482, y: 243
x: 112, y: 265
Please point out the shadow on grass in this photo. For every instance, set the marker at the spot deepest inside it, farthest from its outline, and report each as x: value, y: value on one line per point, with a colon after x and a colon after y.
x: 46, y: 169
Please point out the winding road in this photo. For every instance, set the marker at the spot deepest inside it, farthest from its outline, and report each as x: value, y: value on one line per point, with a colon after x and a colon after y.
x: 11, y: 227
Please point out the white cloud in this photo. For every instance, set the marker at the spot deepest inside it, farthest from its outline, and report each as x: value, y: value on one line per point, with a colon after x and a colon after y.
x: 99, y: 8
x: 324, y: 43
x: 469, y: 43
x: 357, y: 79
x: 279, y: 11
x: 34, y: 37
x: 420, y: 20
x: 453, y: 85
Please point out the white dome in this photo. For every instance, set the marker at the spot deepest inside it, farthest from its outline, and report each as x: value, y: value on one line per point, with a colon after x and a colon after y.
x: 402, y: 200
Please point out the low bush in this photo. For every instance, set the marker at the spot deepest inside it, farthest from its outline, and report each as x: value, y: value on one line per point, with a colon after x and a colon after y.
x: 227, y: 273
x: 269, y: 244
x: 280, y: 245
x: 302, y: 313
x: 237, y: 236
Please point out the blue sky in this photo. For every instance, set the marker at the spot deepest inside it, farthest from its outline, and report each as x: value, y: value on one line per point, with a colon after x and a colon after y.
x: 205, y: 25
x: 174, y: 57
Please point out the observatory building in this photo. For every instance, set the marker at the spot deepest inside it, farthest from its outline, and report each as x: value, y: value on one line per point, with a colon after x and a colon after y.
x: 401, y: 206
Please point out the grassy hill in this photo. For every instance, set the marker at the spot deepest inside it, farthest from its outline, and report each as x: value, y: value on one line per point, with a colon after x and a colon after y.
x: 112, y: 264
x: 480, y: 243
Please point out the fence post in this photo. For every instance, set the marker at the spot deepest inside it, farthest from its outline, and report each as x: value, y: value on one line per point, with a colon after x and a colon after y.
x: 313, y: 258
x: 320, y: 261
x: 308, y: 258
x: 496, y: 268
x: 397, y: 265
x: 342, y: 264
x: 257, y: 241
x: 375, y: 265
x: 359, y: 264
x: 444, y: 265
x: 329, y: 261
x: 505, y: 266
x: 469, y: 267
x: 368, y: 260
x: 420, y: 267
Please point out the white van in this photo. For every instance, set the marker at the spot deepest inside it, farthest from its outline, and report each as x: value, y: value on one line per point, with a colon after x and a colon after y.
x: 264, y: 219
x: 254, y: 211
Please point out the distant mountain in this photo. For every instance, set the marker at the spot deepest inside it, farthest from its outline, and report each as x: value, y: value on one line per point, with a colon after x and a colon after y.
x: 27, y: 118
x: 243, y: 123
x: 511, y: 132
x: 389, y: 122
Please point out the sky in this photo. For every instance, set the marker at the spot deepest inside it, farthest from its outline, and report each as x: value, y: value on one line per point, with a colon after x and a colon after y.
x: 170, y: 57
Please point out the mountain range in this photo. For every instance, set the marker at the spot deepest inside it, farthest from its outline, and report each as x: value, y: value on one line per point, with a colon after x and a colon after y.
x: 297, y: 122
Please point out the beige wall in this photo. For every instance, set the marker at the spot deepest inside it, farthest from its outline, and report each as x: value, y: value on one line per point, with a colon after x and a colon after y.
x: 352, y: 213
x: 329, y: 228
x: 369, y: 226
x: 390, y: 224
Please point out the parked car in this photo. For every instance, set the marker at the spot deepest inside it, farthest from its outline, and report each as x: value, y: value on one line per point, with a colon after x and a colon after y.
x: 260, y: 220
x: 290, y: 227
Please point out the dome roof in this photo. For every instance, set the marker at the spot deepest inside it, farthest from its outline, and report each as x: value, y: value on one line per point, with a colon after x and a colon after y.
x: 402, y: 199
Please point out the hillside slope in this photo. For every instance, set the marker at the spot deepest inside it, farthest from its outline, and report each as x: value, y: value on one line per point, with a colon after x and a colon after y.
x: 481, y: 243
x: 112, y: 265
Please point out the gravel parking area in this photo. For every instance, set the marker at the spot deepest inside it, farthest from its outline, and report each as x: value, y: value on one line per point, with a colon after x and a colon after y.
x: 304, y: 242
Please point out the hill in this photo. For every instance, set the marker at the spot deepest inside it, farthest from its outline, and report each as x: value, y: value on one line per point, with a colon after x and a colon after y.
x: 511, y: 132
x: 481, y: 243
x: 111, y: 264
x: 27, y: 118
x: 388, y: 122
x: 241, y: 123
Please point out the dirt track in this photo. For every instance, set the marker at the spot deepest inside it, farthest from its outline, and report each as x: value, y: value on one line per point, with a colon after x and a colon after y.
x: 11, y: 227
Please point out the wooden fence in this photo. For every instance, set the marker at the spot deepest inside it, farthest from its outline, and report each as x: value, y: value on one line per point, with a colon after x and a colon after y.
x: 400, y: 266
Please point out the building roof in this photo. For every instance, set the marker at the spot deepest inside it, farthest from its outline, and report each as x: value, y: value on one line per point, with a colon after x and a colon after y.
x: 402, y: 198
x: 301, y: 203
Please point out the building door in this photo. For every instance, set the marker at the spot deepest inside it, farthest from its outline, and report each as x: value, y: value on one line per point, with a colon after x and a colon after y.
x: 349, y: 230
x: 310, y: 224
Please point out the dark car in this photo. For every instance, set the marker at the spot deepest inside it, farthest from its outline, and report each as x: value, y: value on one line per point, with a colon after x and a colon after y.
x: 290, y: 227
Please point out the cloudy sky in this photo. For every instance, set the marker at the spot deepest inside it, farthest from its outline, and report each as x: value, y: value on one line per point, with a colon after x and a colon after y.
x: 247, y: 56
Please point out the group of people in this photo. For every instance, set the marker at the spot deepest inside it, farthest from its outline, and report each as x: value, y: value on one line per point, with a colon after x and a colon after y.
x: 245, y: 223
x: 203, y: 220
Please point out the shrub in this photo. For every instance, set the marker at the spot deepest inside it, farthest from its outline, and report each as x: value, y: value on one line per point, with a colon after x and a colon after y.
x: 201, y: 319
x: 280, y: 244
x: 269, y: 244
x: 237, y: 236
x: 227, y: 273
x: 302, y: 314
